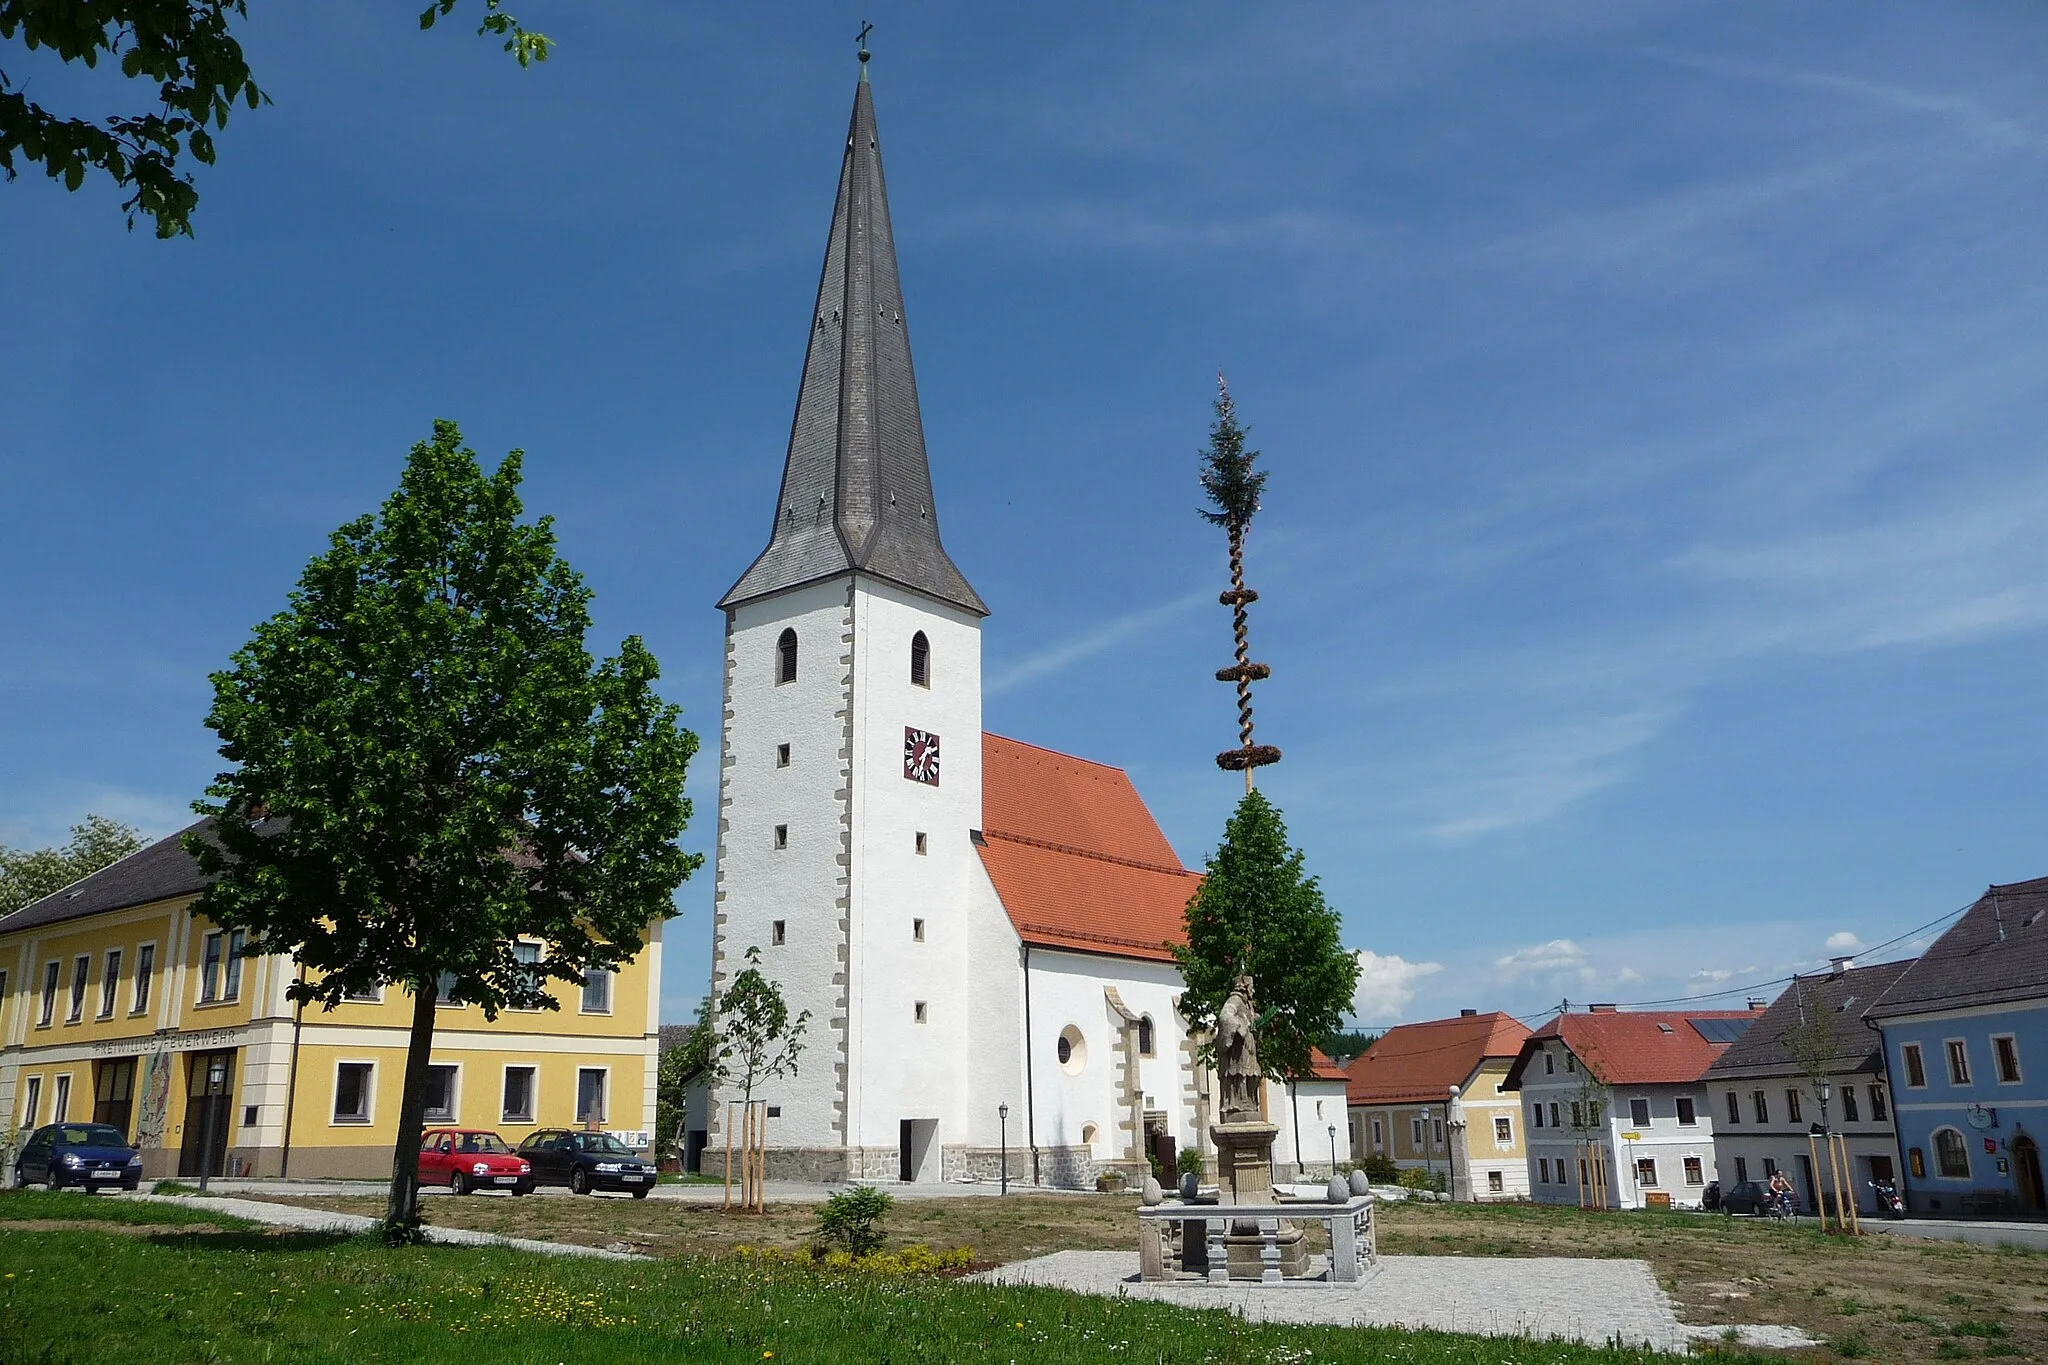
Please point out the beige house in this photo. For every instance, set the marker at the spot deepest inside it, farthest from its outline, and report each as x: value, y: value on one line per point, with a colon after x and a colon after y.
x: 1401, y: 1096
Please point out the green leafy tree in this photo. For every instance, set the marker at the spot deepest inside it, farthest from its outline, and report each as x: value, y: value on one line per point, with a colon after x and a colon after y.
x: 428, y: 766
x: 1258, y: 914
x: 185, y: 48
x: 30, y: 874
x: 757, y: 1040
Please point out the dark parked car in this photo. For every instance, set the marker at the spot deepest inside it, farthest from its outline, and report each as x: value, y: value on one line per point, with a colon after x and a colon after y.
x: 1750, y: 1196
x: 586, y: 1162
x: 91, y: 1156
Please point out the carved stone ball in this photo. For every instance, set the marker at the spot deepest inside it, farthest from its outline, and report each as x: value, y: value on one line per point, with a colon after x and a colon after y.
x: 1151, y: 1194
x: 1359, y: 1183
x: 1340, y: 1189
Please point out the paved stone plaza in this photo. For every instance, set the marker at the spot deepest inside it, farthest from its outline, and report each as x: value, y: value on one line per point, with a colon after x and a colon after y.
x: 1594, y: 1301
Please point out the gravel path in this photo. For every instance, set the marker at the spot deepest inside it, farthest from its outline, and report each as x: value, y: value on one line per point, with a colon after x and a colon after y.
x: 1594, y: 1301
x: 322, y: 1220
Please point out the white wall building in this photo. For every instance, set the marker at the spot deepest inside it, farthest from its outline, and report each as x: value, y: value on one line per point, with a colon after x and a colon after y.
x: 973, y: 924
x: 1615, y: 1110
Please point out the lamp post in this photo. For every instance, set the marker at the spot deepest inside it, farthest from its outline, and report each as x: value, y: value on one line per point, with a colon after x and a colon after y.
x: 1003, y: 1119
x: 1428, y: 1149
x: 1333, y: 1149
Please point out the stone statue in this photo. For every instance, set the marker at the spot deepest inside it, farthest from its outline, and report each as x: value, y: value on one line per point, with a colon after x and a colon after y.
x: 1237, y: 1056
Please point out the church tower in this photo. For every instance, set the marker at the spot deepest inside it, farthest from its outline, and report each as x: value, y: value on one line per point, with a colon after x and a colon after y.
x: 850, y: 749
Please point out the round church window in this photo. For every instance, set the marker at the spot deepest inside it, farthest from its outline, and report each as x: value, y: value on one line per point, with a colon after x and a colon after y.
x: 1072, y: 1051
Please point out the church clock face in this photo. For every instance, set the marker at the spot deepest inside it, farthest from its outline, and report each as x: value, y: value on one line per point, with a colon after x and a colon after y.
x: 921, y: 756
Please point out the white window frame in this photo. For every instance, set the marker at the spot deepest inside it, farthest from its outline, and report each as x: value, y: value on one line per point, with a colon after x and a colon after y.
x: 532, y: 1092
x: 1912, y: 1060
x: 2012, y: 1043
x: 1693, y: 1168
x: 231, y: 966
x: 454, y: 1109
x: 1553, y: 1115
x: 1503, y: 1131
x: 604, y: 1095
x: 335, y: 1119
x: 611, y: 981
x: 81, y: 986
x: 53, y: 978
x: 209, y: 983
x: 1735, y: 1107
x: 60, y: 1097
x: 1953, y: 1050
x: 1880, y: 1103
x: 1496, y: 1183
x: 32, y: 1104
x: 1651, y: 1183
x: 1682, y: 1103
x: 538, y: 950
x: 110, y: 982
x: 1379, y: 1140
x: 373, y: 996
x: 1536, y: 1114
x: 1543, y: 1170
x: 141, y: 985
x: 1962, y: 1145
x: 1415, y: 1131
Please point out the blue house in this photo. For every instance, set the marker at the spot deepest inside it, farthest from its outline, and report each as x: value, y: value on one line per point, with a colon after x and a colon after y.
x: 1966, y: 1046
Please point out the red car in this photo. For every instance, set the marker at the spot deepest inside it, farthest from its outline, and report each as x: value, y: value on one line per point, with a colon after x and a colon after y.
x: 472, y: 1159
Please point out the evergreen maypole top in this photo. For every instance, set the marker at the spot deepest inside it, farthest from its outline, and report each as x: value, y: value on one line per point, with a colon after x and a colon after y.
x: 1233, y: 486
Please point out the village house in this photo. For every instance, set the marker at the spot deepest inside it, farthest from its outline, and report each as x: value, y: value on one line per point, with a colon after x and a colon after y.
x: 1399, y: 1093
x: 1965, y: 1031
x: 1616, y: 1108
x: 118, y: 1005
x: 1809, y: 1059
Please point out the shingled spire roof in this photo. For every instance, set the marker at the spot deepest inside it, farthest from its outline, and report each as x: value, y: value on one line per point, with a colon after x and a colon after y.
x: 856, y: 491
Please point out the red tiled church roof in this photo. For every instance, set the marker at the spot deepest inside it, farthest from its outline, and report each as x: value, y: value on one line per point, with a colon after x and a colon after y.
x: 1419, y: 1063
x: 1076, y: 859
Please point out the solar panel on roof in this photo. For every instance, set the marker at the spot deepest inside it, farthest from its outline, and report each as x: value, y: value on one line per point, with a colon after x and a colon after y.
x: 1720, y: 1030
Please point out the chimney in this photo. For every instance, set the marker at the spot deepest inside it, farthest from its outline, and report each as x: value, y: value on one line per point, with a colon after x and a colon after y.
x: 1756, y: 1004
x: 1468, y: 1014
x: 1600, y: 1009
x: 1838, y: 965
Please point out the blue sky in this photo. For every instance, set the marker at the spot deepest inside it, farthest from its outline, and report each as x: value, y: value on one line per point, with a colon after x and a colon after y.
x: 1652, y: 568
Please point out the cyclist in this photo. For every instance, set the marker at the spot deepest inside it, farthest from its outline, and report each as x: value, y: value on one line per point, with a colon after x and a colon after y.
x: 1781, y: 1194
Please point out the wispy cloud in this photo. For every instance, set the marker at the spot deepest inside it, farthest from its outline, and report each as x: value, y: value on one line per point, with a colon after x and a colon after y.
x: 1054, y: 658
x: 1532, y: 776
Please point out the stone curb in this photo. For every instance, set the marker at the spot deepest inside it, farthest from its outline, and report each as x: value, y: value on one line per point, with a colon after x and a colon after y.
x: 325, y: 1220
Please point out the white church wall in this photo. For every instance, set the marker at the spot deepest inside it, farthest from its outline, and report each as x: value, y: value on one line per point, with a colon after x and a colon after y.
x: 802, y: 884
x: 995, y: 1031
x: 903, y: 1067
x: 1305, y: 1112
x: 1083, y: 1106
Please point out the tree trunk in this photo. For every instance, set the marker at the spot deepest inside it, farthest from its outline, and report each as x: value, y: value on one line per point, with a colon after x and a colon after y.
x: 402, y: 1208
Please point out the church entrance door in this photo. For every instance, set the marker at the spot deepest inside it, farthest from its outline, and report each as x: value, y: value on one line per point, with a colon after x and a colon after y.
x: 914, y: 1149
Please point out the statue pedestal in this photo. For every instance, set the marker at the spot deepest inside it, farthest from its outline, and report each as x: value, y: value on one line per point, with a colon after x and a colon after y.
x: 1244, y: 1161
x: 1256, y: 1249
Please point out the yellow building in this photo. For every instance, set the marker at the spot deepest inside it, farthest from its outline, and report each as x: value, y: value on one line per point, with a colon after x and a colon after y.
x: 1400, y: 1092
x: 118, y: 1004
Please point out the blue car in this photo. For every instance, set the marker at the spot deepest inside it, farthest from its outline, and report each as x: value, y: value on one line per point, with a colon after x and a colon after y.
x: 92, y: 1156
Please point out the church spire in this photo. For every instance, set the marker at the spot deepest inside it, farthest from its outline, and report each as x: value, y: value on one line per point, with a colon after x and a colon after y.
x: 856, y: 489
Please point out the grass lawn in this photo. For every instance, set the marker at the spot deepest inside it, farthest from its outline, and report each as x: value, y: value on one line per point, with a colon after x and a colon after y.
x: 74, y: 1295
x: 1891, y: 1299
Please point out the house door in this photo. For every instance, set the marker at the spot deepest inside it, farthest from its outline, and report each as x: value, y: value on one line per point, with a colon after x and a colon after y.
x: 2026, y: 1174
x: 1159, y: 1146
x: 209, y: 1106
x: 906, y: 1163
x: 1806, y: 1183
x: 114, y: 1093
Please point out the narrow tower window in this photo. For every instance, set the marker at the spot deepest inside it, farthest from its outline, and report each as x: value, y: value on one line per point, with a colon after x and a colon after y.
x: 785, y: 658
x: 920, y: 842
x: 920, y: 661
x: 782, y: 836
x: 917, y: 931
x: 777, y: 933
x: 782, y: 755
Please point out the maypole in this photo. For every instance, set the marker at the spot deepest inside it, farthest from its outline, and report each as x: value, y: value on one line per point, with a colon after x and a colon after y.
x: 1231, y: 483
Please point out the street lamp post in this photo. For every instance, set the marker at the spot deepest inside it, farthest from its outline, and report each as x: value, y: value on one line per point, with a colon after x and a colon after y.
x: 1333, y: 1149
x: 1003, y: 1119
x: 1428, y: 1149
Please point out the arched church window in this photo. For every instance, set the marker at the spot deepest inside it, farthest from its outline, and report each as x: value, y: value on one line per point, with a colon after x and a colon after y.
x: 785, y: 658
x: 1145, y: 1036
x: 920, y: 661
